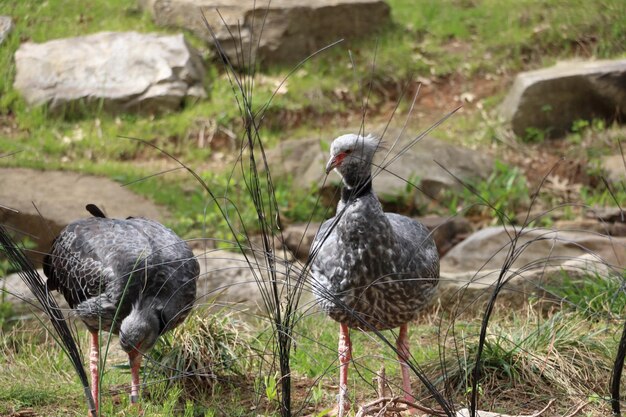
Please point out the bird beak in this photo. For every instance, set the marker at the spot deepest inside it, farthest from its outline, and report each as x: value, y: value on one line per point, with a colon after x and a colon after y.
x: 334, y: 162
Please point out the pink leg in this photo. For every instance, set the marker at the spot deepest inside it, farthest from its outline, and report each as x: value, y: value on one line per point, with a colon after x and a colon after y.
x: 402, y: 344
x: 94, y: 359
x: 345, y: 355
x: 134, y: 358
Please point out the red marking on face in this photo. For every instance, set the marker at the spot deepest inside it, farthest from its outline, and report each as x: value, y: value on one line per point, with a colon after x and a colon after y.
x: 339, y: 158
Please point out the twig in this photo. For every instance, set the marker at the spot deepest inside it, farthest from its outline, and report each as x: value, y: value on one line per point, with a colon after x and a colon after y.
x: 381, y: 381
x: 543, y: 410
x: 391, y: 404
x: 578, y: 409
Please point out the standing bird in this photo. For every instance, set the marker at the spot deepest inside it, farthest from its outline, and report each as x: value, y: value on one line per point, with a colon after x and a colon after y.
x: 132, y: 277
x: 371, y: 269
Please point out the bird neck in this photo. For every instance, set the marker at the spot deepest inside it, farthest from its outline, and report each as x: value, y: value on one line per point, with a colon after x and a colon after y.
x: 362, y: 188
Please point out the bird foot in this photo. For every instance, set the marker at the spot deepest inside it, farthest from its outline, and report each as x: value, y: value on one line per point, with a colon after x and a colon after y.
x: 343, y: 405
x: 135, y: 405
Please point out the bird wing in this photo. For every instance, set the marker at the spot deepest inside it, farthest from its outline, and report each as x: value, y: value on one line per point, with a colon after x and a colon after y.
x: 172, y: 273
x: 95, y: 256
x: 415, y: 246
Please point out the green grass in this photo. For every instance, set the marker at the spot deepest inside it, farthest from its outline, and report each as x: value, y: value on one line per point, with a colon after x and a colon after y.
x: 505, y: 191
x: 591, y: 294
x: 528, y: 355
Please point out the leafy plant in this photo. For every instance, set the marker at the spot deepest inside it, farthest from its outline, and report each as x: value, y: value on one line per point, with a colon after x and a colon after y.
x: 603, y: 196
x: 270, y: 382
x: 506, y: 190
x: 535, y: 135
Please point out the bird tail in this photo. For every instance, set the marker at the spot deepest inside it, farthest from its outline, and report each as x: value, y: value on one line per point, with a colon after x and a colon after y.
x: 37, y: 286
x: 95, y: 211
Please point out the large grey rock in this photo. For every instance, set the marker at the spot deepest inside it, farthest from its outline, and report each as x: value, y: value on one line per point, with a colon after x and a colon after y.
x: 470, y: 290
x: 6, y: 26
x: 551, y: 99
x: 470, y: 271
x: 240, y: 282
x: 280, y: 31
x: 46, y: 201
x: 304, y: 161
x: 120, y: 71
x: 488, y: 248
x: 19, y: 295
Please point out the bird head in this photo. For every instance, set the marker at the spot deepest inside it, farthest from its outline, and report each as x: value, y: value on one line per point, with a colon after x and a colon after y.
x: 351, y: 156
x: 140, y: 330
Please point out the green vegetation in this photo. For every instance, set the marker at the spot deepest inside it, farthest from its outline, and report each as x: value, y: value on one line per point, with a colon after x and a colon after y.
x: 530, y: 356
x: 591, y: 294
x: 504, y: 192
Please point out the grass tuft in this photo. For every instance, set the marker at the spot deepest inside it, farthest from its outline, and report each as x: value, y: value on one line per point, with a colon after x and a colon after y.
x: 208, y: 347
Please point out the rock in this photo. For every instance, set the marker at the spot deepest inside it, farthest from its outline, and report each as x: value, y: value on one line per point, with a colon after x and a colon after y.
x: 118, y: 71
x: 583, y: 225
x: 301, y: 160
x: 470, y: 271
x: 447, y: 231
x: 304, y: 162
x: 472, y: 289
x: 487, y: 249
x: 20, y: 296
x: 231, y: 281
x: 552, y: 99
x: 6, y: 26
x: 280, y: 31
x: 615, y: 168
x: 610, y: 225
x: 607, y: 214
x: 47, y: 201
x: 299, y: 237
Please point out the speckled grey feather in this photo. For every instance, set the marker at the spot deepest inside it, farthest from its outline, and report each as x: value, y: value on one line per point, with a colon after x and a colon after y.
x: 137, y: 264
x: 368, y: 265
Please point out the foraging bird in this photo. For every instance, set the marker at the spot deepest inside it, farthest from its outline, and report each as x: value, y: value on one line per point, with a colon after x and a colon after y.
x: 132, y: 277
x: 371, y: 269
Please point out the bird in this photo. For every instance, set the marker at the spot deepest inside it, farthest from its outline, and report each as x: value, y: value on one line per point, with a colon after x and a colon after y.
x: 370, y: 269
x: 133, y: 277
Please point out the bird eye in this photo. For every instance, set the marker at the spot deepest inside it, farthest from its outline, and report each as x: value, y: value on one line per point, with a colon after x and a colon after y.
x: 348, y: 151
